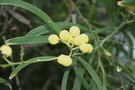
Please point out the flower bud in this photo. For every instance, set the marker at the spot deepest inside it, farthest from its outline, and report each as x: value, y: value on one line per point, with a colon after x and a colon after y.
x: 65, y: 60
x: 74, y: 31
x: 83, y: 38
x: 71, y: 39
x: 6, y: 50
x: 86, y: 48
x: 53, y: 39
x: 64, y: 35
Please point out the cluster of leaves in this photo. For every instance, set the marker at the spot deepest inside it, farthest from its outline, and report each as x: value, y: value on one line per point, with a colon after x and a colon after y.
x: 110, y: 29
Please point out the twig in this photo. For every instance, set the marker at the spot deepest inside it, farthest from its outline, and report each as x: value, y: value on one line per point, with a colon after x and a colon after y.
x: 115, y: 31
x: 76, y: 54
x: 102, y: 68
x: 6, y: 60
x: 16, y: 77
x: 115, y: 69
x: 25, y: 62
x: 80, y: 14
x: 21, y: 53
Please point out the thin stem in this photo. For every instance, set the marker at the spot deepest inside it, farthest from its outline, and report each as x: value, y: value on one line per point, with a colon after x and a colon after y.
x: 115, y: 31
x: 76, y: 54
x: 25, y: 62
x: 74, y: 18
x: 6, y: 60
x: 99, y: 59
x: 102, y: 68
x: 66, y: 44
x: 17, y: 81
x: 71, y: 50
x: 80, y: 14
x: 21, y: 53
x: 16, y: 77
x: 75, y: 48
x: 11, y: 64
x: 122, y: 83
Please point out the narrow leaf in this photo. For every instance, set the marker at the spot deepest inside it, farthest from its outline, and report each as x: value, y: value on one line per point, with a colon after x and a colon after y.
x: 91, y: 72
x: 126, y: 3
x: 129, y: 73
x: 64, y: 80
x: 27, y: 40
x: 38, y: 31
x: 20, y: 18
x: 79, y: 78
x: 5, y: 82
x: 30, y: 61
x: 62, y: 25
x: 34, y: 10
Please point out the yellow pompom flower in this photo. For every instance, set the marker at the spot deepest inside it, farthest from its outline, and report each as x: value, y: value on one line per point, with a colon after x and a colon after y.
x: 65, y: 60
x: 86, y: 48
x: 83, y: 38
x: 71, y: 39
x: 53, y: 39
x: 6, y: 50
x: 64, y: 35
x: 74, y: 31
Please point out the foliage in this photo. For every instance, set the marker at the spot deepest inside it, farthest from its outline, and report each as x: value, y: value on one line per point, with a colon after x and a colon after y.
x: 109, y: 25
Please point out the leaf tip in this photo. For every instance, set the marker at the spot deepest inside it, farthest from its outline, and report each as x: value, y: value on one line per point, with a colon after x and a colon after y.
x: 10, y: 77
x: 121, y: 3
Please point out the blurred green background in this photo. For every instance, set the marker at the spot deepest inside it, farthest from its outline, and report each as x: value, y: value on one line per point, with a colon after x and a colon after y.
x: 103, y: 16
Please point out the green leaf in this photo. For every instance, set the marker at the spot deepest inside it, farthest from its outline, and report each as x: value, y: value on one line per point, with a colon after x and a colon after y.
x: 17, y: 70
x: 130, y: 42
x: 5, y: 82
x: 126, y: 3
x: 92, y: 10
x: 67, y: 25
x: 92, y: 85
x: 127, y: 72
x: 62, y: 25
x: 27, y: 40
x: 34, y: 10
x: 30, y: 61
x: 37, y: 31
x: 20, y: 18
x: 79, y: 78
x: 91, y: 72
x: 64, y: 80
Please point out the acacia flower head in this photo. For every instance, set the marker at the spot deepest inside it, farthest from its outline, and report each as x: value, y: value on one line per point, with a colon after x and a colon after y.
x: 74, y: 31
x: 82, y: 38
x: 53, y: 39
x: 6, y: 50
x: 65, y: 60
x: 64, y: 35
x: 86, y: 48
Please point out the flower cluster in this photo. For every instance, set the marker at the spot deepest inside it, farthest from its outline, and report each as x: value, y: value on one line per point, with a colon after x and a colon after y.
x: 6, y: 50
x: 74, y: 39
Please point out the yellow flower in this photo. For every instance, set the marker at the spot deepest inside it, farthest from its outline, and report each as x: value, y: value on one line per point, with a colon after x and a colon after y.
x: 53, y: 39
x: 6, y: 50
x: 64, y: 35
x: 74, y: 31
x: 65, y: 60
x: 83, y: 38
x: 86, y: 48
x: 71, y: 39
